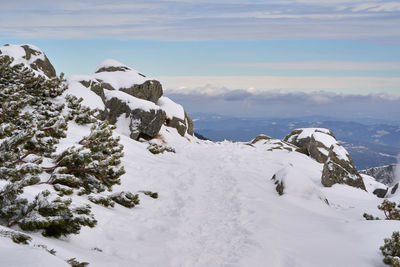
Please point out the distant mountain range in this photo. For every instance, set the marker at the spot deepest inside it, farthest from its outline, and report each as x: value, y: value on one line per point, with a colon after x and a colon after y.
x: 370, y: 142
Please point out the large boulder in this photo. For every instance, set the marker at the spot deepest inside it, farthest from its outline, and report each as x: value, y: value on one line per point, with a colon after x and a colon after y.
x: 314, y: 142
x: 133, y: 101
x: 321, y: 145
x: 339, y: 171
x: 149, y: 90
x: 31, y: 57
x: 141, y: 118
x: 112, y: 75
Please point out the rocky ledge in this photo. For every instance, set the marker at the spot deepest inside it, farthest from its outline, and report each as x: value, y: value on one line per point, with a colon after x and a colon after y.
x: 321, y: 145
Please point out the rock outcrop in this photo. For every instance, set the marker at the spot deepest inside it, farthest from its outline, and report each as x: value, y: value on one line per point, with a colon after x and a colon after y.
x: 176, y: 117
x: 340, y: 171
x: 30, y: 56
x: 321, y: 145
x: 125, y: 97
x: 143, y: 119
x: 134, y: 101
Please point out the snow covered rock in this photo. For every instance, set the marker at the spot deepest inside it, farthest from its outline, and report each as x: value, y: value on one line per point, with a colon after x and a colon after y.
x: 314, y: 142
x: 113, y: 75
x: 271, y: 143
x: 321, y: 145
x: 289, y: 181
x: 176, y: 116
x: 134, y: 116
x: 30, y: 56
x: 130, y: 100
x: 384, y: 174
x: 338, y: 171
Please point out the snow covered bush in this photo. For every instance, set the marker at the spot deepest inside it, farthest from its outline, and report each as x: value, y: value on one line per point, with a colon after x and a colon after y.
x: 159, y: 149
x: 16, y: 237
x: 101, y: 200
x: 94, y: 165
x: 390, y: 210
x: 391, y: 250
x: 126, y: 199
x: 55, y: 217
x: 79, y: 113
x: 370, y: 217
x: 74, y: 263
x: 33, y: 120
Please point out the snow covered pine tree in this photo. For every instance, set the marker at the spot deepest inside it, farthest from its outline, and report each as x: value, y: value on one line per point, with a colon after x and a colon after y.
x: 32, y: 122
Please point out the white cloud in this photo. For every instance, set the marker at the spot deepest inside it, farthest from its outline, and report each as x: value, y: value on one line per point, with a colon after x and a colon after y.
x: 322, y: 65
x: 320, y: 99
x: 359, y: 85
x: 281, y: 103
x: 377, y: 7
x: 199, y: 19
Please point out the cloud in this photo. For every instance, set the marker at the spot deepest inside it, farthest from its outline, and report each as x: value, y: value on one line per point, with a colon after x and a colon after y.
x: 356, y: 84
x: 321, y: 65
x: 378, y: 7
x: 179, y: 20
x: 279, y: 103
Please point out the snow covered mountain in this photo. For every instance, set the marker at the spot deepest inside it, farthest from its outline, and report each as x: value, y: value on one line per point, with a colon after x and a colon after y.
x: 384, y: 174
x: 267, y: 202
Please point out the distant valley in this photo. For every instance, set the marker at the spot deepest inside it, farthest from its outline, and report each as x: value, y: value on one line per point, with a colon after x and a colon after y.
x: 370, y: 142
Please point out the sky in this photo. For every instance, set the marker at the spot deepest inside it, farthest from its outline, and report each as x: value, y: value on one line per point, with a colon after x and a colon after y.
x: 341, y: 48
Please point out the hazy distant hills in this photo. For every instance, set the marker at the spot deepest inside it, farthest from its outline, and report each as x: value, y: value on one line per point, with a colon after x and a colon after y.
x: 370, y: 142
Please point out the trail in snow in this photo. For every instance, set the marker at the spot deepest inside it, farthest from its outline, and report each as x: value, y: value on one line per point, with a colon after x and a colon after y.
x: 217, y: 206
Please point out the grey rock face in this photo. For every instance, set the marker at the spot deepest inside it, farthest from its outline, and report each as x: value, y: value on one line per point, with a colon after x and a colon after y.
x: 337, y: 171
x: 338, y: 168
x: 380, y: 192
x: 149, y: 90
x: 39, y: 64
x: 384, y: 174
x: 146, y: 124
x: 178, y: 124
x: 113, y: 69
x: 143, y: 124
x: 309, y: 145
x: 182, y: 126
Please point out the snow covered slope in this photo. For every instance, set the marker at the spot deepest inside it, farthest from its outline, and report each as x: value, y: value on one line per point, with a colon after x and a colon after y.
x: 218, y: 205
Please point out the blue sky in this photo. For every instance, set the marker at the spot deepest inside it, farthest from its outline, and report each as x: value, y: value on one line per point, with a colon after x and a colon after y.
x: 339, y: 46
